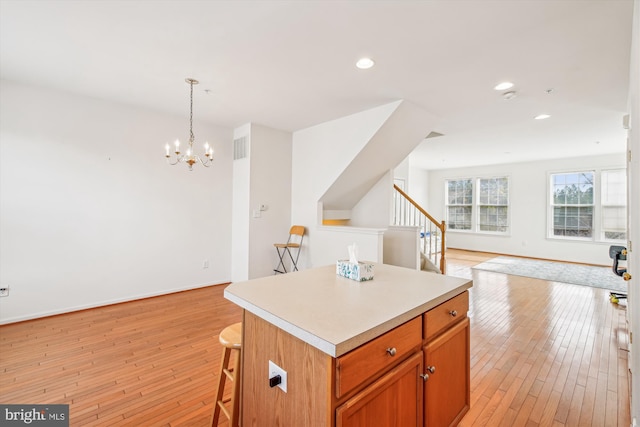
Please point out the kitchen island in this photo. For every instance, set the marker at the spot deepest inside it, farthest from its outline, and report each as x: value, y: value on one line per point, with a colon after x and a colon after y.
x: 354, y: 353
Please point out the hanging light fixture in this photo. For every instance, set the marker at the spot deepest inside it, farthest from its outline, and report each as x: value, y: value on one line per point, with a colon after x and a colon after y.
x: 190, y: 157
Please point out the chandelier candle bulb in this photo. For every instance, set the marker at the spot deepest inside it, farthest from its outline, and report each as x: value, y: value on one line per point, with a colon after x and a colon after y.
x: 167, y: 148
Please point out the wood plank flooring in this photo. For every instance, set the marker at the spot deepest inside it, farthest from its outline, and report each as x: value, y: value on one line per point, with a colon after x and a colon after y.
x: 151, y: 362
x: 542, y: 354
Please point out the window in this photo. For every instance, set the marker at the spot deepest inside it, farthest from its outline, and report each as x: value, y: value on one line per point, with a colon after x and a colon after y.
x: 572, y: 204
x: 485, y: 210
x: 459, y: 204
x: 613, y: 200
x: 589, y: 205
x: 493, y: 204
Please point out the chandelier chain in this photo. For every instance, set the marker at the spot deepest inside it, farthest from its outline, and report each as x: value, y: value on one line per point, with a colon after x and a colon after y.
x: 191, y: 137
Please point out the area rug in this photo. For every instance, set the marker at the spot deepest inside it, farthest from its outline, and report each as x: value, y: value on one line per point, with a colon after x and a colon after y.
x: 577, y: 274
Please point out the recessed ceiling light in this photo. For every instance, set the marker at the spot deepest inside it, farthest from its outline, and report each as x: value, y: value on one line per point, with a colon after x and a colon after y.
x: 542, y: 116
x: 503, y: 86
x: 365, y: 63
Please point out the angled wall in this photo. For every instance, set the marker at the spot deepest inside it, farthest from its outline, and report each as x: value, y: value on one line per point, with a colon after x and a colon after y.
x: 400, y: 133
x: 345, y: 162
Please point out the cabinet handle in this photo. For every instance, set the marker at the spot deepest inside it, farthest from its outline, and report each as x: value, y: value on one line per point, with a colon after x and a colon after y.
x: 626, y: 276
x: 453, y: 313
x: 431, y: 369
x: 391, y: 351
x: 424, y: 377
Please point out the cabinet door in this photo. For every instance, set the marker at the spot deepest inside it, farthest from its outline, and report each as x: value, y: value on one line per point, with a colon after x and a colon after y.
x: 446, y: 391
x: 394, y: 400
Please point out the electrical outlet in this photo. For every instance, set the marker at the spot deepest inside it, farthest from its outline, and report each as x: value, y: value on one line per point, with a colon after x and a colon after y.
x: 4, y: 292
x: 277, y: 370
x: 205, y: 263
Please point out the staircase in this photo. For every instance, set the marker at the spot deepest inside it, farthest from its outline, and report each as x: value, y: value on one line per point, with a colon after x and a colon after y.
x: 432, y: 233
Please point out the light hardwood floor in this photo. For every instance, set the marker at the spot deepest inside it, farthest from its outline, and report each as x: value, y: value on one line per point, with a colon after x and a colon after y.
x: 542, y: 354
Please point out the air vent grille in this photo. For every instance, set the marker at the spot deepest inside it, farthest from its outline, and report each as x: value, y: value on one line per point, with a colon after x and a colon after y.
x: 240, y: 148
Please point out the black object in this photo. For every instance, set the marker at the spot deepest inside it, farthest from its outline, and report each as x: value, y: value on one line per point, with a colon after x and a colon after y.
x: 618, y: 253
x: 274, y: 381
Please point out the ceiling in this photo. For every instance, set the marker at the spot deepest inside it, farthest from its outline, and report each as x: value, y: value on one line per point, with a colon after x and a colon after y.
x: 291, y: 64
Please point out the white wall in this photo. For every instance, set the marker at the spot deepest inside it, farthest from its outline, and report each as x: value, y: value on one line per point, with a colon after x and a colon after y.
x: 241, y: 208
x: 270, y: 186
x: 332, y: 244
x: 91, y: 214
x: 416, y: 180
x: 374, y: 209
x: 402, y: 172
x: 346, y: 164
x: 402, y: 246
x: 528, y: 207
x: 419, y: 187
x: 320, y: 154
x: 396, y: 137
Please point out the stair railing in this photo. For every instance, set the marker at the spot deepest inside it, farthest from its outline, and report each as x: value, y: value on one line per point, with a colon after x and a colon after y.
x: 409, y: 213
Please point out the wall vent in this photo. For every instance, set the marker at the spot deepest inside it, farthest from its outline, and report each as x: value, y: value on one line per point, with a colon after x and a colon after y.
x: 433, y: 135
x: 240, y: 148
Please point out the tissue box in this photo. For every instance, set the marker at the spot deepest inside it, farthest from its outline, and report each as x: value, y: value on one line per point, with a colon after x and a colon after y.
x: 360, y: 272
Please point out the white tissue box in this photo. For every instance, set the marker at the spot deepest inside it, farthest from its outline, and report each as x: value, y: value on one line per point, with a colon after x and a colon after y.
x: 360, y: 272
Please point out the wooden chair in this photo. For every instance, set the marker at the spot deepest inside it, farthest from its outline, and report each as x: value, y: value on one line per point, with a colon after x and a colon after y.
x: 294, y: 242
x: 231, y: 340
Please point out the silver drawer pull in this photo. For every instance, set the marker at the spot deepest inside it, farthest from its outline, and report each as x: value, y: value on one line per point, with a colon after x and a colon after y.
x: 391, y: 351
x: 431, y: 369
x: 424, y: 377
x: 453, y: 313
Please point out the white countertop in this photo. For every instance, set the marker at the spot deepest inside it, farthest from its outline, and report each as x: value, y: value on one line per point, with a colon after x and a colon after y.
x: 335, y: 314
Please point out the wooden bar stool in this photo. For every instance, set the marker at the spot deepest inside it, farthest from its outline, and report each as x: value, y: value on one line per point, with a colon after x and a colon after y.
x: 231, y: 340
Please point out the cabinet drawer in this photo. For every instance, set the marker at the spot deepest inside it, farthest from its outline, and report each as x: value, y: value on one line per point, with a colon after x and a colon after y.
x: 361, y: 364
x: 446, y: 314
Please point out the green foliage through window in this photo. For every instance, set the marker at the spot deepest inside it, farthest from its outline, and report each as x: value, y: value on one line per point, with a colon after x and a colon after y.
x: 487, y: 210
x: 572, y: 204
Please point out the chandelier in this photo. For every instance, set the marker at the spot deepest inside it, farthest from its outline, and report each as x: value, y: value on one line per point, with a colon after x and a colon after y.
x: 189, y: 157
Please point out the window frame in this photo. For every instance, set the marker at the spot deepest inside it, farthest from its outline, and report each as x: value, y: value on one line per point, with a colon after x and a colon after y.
x: 597, y: 231
x: 551, y: 205
x: 476, y: 206
x: 479, y: 205
x: 625, y: 206
x: 463, y: 205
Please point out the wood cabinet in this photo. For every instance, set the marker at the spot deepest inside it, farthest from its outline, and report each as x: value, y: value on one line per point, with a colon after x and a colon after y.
x: 446, y: 362
x: 440, y: 372
x: 446, y: 391
x: 416, y: 374
x: 393, y: 400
